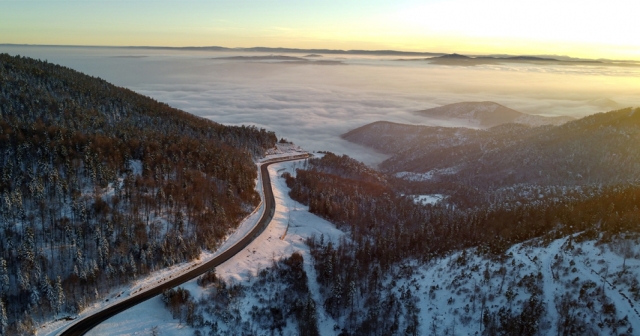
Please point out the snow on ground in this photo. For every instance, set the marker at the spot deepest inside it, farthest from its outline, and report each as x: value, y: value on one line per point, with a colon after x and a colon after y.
x: 415, y: 176
x: 295, y: 223
x: 451, y: 290
x: 136, y: 167
x: 427, y: 199
x: 284, y: 148
x: 411, y: 176
x: 286, y: 234
x: 291, y: 221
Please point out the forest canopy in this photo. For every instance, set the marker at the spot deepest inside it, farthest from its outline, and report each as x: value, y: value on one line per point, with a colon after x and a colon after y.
x: 99, y: 185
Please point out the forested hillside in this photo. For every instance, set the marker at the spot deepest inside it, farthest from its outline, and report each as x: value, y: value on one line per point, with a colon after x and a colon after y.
x: 392, y: 237
x: 99, y: 185
x: 599, y: 149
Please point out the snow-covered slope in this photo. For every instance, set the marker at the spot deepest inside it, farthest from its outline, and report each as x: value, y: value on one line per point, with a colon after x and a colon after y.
x: 562, y: 286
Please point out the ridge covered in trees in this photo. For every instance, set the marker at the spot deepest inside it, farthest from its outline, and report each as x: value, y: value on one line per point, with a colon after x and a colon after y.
x: 99, y: 185
x: 599, y: 149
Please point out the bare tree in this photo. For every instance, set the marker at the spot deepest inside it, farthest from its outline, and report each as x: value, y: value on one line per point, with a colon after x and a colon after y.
x: 626, y: 249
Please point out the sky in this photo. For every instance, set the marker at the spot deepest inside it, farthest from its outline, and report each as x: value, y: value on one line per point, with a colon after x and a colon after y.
x: 587, y: 28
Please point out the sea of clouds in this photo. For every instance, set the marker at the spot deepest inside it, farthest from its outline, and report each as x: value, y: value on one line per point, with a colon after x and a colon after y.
x: 312, y: 104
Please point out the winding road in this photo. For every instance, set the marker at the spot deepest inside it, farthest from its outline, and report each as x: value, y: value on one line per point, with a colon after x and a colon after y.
x: 85, y: 324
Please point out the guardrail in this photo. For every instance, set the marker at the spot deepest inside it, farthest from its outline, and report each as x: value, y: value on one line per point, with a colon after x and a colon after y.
x: 291, y: 157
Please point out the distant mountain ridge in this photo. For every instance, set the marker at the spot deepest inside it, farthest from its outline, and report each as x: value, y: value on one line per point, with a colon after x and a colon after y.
x: 432, y: 56
x: 464, y: 60
x: 280, y: 58
x: 488, y: 114
x: 256, y: 49
x: 515, y: 58
x: 263, y: 58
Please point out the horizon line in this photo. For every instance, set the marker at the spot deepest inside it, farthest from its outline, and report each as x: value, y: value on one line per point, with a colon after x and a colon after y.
x: 287, y: 49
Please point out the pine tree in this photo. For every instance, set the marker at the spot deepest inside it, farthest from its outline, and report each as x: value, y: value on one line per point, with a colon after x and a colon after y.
x: 352, y: 293
x: 4, y: 276
x: 59, y: 296
x: 4, y: 321
x: 48, y: 291
x: 337, y: 292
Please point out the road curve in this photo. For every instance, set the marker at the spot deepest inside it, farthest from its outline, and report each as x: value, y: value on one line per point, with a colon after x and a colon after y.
x: 87, y: 323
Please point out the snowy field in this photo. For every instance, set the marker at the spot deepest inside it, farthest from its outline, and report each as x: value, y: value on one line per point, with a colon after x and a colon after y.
x: 286, y: 234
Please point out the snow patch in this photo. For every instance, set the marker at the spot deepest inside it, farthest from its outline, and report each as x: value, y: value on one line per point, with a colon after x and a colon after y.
x: 284, y: 148
x: 410, y: 176
x: 136, y: 167
x: 427, y: 199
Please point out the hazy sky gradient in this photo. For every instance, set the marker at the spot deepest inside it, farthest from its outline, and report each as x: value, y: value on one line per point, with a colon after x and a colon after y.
x: 591, y: 29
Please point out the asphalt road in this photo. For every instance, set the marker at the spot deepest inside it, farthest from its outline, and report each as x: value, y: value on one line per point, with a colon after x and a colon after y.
x: 87, y: 323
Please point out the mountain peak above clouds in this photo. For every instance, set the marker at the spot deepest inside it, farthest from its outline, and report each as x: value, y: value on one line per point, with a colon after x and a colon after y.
x: 487, y: 114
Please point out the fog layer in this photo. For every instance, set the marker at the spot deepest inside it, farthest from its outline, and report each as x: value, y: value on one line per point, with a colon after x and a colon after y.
x: 313, y: 103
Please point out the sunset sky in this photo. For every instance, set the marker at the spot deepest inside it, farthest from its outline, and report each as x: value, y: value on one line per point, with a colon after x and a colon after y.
x: 591, y: 29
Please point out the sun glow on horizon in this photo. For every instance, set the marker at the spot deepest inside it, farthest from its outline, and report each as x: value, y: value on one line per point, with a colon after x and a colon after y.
x: 578, y: 28
x: 589, y: 29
